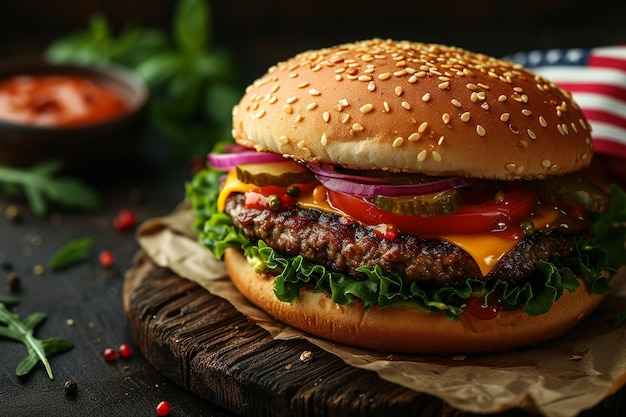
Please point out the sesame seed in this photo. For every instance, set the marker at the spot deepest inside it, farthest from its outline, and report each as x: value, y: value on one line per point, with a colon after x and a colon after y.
x: 471, y: 86
x: 543, y: 122
x: 414, y: 137
x: 445, y: 118
x: 481, y: 85
x: 565, y: 128
x: 283, y: 140
x: 440, y: 141
x: 366, y: 108
x: 293, y: 74
x: 480, y: 130
x: 303, y: 85
x: 311, y: 106
x: 485, y: 106
x: 364, y: 78
x: 338, y: 78
x: 357, y: 127
x: 324, y: 139
x: 422, y: 155
x: 444, y: 85
x: 436, y: 156
x: 258, y: 114
x: 531, y: 134
x: 275, y: 88
x: 474, y: 97
x: 299, y: 117
x: 287, y: 109
x: 574, y: 128
x: 582, y: 124
x: 412, y: 79
x: 505, y: 117
x: 420, y: 74
x: 526, y: 112
x: 422, y: 127
x: 398, y: 91
x: 455, y: 102
x: 560, y: 129
x: 326, y: 116
x: 345, y: 118
x: 344, y: 102
x: 502, y: 98
x: 384, y: 76
x: 406, y: 105
x: 510, y: 167
x: 426, y: 97
x: 292, y: 99
x: 397, y: 142
x: 371, y: 86
x: 514, y: 129
x: 465, y: 116
x: 314, y: 92
x: 523, y: 144
x: 518, y: 89
x: 386, y: 106
x: 546, y: 163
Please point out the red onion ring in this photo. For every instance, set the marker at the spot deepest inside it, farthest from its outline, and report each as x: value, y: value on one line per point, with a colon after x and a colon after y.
x: 368, y: 187
x: 228, y: 161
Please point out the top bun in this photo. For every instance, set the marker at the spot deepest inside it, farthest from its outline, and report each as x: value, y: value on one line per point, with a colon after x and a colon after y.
x: 414, y: 107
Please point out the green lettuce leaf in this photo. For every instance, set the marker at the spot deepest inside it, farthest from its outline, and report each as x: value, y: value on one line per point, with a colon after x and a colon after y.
x: 536, y: 296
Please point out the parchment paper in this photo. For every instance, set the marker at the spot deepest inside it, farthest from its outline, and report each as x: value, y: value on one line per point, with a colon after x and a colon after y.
x: 558, y: 379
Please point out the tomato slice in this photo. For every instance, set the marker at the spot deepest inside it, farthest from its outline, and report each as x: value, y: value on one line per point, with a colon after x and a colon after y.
x: 492, y: 215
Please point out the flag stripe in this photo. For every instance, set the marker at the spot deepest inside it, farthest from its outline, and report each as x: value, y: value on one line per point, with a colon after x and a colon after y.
x: 596, y: 78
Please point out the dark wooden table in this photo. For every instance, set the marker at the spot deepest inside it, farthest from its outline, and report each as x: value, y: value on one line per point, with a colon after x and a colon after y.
x: 84, y: 303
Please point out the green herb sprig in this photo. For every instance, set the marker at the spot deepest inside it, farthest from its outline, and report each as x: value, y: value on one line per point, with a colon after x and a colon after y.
x: 193, y: 84
x: 22, y: 331
x: 41, y: 185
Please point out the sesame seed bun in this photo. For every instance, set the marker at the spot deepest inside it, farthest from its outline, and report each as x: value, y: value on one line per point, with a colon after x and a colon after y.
x: 407, y: 329
x: 414, y: 107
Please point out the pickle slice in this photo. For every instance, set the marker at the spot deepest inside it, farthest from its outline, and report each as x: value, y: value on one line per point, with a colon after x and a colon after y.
x: 573, y: 190
x: 280, y: 174
x: 425, y: 205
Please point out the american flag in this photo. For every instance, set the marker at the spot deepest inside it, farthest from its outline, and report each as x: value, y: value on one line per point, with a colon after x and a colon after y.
x: 596, y: 77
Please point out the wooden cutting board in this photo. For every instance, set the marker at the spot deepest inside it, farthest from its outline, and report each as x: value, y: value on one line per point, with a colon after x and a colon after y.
x: 202, y: 343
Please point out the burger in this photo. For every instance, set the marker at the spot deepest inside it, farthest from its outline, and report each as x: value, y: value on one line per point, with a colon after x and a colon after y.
x: 408, y: 197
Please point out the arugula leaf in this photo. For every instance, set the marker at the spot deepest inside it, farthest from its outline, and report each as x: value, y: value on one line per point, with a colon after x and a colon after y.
x: 40, y: 184
x: 72, y: 252
x: 536, y: 296
x: 12, y: 327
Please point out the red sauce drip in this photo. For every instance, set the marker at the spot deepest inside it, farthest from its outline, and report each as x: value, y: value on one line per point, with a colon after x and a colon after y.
x: 51, y: 100
x: 475, y: 306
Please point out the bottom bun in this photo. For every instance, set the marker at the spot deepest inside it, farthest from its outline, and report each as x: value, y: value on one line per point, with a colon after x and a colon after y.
x: 406, y: 329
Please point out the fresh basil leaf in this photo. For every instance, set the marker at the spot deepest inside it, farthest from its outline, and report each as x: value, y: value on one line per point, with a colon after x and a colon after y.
x: 191, y: 25
x: 72, y: 252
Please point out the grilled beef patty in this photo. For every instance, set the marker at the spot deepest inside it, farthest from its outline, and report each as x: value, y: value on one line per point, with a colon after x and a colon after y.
x: 344, y: 245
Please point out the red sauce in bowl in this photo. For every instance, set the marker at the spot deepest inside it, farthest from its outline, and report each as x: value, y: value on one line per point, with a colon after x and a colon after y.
x: 57, y: 100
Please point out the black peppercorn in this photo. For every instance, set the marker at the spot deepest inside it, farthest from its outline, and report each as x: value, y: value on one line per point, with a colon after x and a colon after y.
x: 70, y: 387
